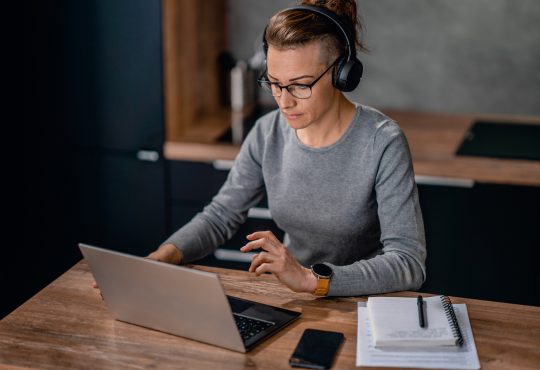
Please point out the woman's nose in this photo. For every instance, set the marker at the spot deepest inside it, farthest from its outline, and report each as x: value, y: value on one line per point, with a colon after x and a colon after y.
x: 285, y: 100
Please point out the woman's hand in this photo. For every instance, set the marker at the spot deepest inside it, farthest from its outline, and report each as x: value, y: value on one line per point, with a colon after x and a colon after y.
x: 165, y: 253
x: 275, y: 258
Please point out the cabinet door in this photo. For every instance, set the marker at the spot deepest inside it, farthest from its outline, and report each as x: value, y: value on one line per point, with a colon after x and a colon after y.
x: 196, y: 182
x: 115, y: 53
x: 482, y: 242
x: 122, y: 202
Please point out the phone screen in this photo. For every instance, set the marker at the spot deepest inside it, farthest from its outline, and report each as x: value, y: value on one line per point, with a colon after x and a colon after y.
x: 316, y: 349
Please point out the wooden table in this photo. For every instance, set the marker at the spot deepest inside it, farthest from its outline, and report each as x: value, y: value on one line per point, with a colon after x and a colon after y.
x: 67, y: 325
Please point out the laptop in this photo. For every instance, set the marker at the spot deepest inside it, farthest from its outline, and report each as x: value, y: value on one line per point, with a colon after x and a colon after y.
x: 181, y: 301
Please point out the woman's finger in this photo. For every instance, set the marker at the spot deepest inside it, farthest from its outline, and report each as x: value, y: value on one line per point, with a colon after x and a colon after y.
x: 263, y: 234
x: 263, y: 243
x: 262, y: 269
x: 259, y: 259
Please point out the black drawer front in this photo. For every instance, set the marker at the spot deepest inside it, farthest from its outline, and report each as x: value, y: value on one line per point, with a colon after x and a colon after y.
x: 182, y: 214
x: 195, y: 181
x: 252, y: 225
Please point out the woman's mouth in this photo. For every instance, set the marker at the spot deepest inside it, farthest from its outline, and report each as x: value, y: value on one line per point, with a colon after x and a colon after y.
x: 291, y: 116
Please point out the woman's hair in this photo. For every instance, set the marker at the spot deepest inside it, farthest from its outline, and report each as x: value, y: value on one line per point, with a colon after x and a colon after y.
x: 292, y: 28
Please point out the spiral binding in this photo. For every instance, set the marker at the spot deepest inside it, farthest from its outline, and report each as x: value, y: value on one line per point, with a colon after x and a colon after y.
x: 451, y: 316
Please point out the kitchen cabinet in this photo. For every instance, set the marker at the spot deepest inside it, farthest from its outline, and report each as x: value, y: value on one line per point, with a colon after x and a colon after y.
x: 118, y: 124
x: 482, y: 241
x: 121, y: 202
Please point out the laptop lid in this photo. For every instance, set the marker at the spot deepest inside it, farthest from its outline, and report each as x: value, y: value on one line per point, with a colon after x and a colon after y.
x: 176, y: 300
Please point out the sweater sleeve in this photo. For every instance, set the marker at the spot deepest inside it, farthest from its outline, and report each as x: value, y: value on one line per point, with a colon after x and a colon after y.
x: 400, y: 263
x: 219, y: 221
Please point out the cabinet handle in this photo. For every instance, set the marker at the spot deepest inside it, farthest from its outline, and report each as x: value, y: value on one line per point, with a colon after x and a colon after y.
x: 148, y: 155
x: 231, y: 255
x: 444, y: 181
x: 223, y: 164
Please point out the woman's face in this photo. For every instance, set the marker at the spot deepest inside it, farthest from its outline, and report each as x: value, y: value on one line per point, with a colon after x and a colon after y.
x: 303, y: 65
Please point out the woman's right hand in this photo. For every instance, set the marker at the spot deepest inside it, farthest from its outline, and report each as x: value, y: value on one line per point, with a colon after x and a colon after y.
x: 165, y: 253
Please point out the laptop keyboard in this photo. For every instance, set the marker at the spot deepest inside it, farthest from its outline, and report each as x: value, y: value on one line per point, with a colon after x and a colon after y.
x: 250, y: 327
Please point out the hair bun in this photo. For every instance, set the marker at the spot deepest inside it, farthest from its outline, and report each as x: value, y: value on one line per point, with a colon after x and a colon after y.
x: 344, y: 8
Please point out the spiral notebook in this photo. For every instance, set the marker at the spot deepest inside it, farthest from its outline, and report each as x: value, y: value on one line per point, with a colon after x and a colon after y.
x: 394, y: 322
x: 463, y: 356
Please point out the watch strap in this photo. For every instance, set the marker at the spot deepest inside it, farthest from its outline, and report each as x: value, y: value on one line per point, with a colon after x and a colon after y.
x: 323, y: 285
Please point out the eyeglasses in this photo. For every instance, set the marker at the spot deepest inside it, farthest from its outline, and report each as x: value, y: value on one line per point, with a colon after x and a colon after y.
x: 300, y: 91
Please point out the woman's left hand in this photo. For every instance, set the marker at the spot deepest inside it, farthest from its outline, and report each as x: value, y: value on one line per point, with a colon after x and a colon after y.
x: 275, y: 258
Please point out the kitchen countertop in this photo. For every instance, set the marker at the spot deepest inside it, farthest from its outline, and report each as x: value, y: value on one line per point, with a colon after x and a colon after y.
x: 433, y: 139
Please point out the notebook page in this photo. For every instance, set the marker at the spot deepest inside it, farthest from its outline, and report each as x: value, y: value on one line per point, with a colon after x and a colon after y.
x: 394, y: 322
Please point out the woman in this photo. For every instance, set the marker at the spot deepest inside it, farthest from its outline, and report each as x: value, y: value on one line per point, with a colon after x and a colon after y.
x: 338, y: 176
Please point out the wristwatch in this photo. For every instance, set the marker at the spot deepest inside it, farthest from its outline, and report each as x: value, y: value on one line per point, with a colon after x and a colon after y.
x: 323, y: 273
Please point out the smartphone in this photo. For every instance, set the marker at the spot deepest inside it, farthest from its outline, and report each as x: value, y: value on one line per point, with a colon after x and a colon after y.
x: 316, y: 349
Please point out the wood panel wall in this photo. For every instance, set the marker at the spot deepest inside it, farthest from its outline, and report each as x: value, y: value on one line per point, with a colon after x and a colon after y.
x: 194, y: 34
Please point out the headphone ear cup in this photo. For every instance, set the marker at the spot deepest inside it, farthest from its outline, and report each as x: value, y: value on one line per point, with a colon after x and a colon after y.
x: 347, y: 74
x: 337, y: 72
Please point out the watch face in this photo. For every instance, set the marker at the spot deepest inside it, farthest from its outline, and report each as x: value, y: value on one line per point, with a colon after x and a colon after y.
x: 322, y: 269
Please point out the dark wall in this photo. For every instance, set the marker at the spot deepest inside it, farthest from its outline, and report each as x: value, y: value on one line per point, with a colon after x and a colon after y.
x: 49, y: 173
x: 92, y: 83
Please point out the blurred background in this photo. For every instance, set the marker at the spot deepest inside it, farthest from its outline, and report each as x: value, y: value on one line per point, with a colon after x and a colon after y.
x: 98, y: 81
x: 479, y: 56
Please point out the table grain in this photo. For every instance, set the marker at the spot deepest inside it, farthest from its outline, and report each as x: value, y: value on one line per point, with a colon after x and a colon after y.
x: 67, y: 326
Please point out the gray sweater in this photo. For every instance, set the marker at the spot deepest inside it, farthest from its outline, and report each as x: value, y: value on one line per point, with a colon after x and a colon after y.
x: 352, y: 205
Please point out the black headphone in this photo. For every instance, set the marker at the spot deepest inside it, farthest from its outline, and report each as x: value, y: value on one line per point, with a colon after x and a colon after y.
x: 349, y: 68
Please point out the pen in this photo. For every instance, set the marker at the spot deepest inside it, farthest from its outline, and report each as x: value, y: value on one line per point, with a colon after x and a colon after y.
x: 420, y: 304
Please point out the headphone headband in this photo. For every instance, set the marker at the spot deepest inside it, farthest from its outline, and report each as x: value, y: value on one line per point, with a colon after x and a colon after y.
x: 336, y: 20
